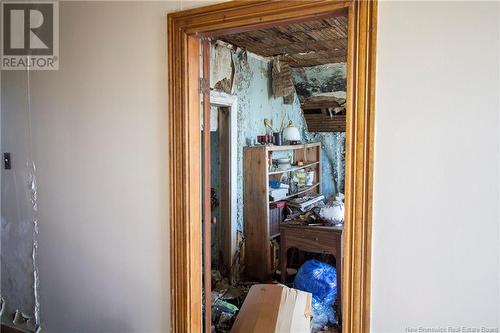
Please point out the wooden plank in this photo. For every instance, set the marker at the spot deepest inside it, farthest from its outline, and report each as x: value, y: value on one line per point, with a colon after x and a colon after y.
x: 304, y: 191
x: 308, y: 165
x: 185, y: 184
x: 325, y: 123
x: 292, y: 147
x: 256, y: 213
x: 207, y: 184
x: 240, y: 16
x: 359, y: 166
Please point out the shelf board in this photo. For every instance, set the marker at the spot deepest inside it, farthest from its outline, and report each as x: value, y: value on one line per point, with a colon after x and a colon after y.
x: 296, y: 194
x: 293, y: 147
x: 293, y: 168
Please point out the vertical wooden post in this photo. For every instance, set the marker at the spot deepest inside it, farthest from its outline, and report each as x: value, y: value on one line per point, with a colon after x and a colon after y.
x: 207, y: 184
x: 359, y: 166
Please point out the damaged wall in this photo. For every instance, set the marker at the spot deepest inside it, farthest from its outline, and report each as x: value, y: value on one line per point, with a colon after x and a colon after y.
x: 253, y: 87
x: 100, y: 143
x: 17, y: 235
x: 316, y: 80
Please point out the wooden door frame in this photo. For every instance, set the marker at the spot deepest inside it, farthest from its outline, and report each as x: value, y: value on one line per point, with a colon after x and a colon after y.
x: 229, y: 234
x: 184, y: 30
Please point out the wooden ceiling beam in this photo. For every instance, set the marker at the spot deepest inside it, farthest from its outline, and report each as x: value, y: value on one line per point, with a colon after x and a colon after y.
x: 303, y: 44
x: 336, y: 45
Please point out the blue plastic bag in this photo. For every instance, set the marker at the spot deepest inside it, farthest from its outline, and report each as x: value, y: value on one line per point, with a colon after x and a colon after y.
x: 320, y: 279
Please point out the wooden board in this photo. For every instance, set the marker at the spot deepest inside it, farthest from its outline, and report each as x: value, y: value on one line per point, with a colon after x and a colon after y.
x: 207, y: 184
x: 325, y: 123
x: 256, y: 213
x: 311, y: 43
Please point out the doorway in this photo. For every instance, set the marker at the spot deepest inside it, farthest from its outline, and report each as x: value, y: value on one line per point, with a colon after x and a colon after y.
x: 185, y: 212
x: 223, y: 150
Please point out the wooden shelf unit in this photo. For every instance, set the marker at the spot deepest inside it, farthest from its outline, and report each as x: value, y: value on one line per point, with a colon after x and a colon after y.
x: 256, y: 164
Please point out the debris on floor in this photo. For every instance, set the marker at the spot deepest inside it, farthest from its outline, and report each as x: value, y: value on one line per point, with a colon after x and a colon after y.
x: 227, y: 299
x: 274, y: 308
x: 223, y: 314
x: 328, y: 329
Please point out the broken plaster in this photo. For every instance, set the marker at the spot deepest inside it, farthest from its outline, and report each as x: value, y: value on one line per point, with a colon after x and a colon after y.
x: 251, y: 83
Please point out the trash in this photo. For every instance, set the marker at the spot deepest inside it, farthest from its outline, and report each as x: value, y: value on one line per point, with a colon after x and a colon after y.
x: 320, y: 279
x: 223, y: 314
x: 328, y: 329
x: 225, y: 322
x: 225, y: 307
x: 273, y: 308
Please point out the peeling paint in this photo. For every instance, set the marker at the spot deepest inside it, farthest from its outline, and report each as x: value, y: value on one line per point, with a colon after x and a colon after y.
x: 329, y: 79
x: 320, y: 79
x: 256, y: 102
x: 253, y: 87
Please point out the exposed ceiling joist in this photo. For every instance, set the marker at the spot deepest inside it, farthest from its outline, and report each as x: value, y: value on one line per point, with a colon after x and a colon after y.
x: 302, y: 44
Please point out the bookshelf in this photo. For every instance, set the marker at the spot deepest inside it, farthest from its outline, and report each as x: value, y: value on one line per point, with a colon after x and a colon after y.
x: 257, y: 161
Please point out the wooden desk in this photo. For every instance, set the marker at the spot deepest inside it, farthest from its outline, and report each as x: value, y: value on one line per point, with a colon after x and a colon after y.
x: 316, y: 239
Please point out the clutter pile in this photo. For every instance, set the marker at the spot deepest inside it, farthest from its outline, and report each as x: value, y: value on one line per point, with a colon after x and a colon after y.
x: 318, y: 213
x: 226, y: 301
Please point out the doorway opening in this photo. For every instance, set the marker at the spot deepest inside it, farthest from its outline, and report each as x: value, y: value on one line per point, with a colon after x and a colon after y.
x: 185, y: 30
x: 288, y: 153
x: 223, y: 174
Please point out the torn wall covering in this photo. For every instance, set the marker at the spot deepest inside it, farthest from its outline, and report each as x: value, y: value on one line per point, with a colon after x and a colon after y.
x: 316, y: 80
x: 253, y: 87
x: 19, y: 283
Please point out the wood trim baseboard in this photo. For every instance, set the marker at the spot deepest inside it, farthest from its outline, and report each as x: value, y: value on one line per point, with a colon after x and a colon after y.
x: 184, y: 30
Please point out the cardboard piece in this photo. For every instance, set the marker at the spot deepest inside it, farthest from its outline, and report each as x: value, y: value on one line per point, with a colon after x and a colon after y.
x: 272, y: 308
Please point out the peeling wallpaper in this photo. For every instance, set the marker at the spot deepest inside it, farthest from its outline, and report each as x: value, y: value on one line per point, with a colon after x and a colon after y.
x: 314, y: 80
x: 255, y: 102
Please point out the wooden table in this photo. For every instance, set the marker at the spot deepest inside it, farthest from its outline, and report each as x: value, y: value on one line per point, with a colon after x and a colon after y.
x: 316, y: 239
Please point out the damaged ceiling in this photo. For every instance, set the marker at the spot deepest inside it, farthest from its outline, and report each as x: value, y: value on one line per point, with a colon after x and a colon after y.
x: 302, y: 44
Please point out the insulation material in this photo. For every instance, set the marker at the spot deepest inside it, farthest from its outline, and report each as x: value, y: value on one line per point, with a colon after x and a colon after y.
x: 34, y: 254
x: 282, y: 79
x: 20, y: 216
x: 221, y: 67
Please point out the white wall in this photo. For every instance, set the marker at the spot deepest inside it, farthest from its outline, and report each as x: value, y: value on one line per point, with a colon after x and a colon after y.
x: 99, y: 128
x: 436, y: 200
